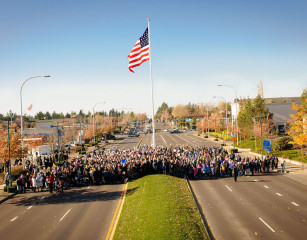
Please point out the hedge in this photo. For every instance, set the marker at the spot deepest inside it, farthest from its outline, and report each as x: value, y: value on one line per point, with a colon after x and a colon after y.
x: 12, y: 189
x: 234, y: 150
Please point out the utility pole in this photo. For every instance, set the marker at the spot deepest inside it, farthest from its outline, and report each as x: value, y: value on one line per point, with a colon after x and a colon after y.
x: 80, y: 133
x: 208, y: 120
x: 9, y: 146
x: 261, y: 144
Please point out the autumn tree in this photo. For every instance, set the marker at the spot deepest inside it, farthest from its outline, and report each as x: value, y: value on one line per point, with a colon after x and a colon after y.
x: 15, y: 143
x: 180, y: 111
x: 298, y: 127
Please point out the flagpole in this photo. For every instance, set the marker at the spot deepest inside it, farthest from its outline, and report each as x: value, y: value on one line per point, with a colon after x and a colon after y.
x: 152, y: 95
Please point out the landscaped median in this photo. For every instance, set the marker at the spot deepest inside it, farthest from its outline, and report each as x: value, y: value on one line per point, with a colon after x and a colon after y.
x: 159, y: 207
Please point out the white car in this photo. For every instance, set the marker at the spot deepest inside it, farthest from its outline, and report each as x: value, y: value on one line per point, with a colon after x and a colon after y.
x: 165, y: 130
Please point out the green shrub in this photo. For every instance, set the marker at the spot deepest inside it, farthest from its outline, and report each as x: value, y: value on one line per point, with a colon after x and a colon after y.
x: 106, y: 141
x: 12, y: 189
x: 5, y: 189
x: 234, y: 150
x: 223, y: 144
x: 82, y: 152
x: 283, y: 144
x: 16, y: 172
x: 206, y: 136
x: 215, y: 139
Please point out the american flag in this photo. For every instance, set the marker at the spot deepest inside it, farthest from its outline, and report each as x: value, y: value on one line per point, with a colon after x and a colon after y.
x: 140, y: 52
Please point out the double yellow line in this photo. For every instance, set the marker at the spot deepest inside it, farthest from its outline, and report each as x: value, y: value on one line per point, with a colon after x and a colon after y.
x: 116, y: 216
x: 139, y: 142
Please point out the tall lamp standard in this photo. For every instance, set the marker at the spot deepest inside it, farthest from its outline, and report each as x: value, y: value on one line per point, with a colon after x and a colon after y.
x: 21, y: 120
x: 226, y: 113
x: 220, y: 85
x: 94, y: 119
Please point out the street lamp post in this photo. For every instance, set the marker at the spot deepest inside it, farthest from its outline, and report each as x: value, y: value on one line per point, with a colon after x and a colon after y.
x: 220, y: 85
x: 94, y: 119
x: 226, y: 113
x: 21, y: 120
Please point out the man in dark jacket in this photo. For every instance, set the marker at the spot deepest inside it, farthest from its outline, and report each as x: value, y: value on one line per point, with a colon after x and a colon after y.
x: 235, y: 172
x: 50, y: 182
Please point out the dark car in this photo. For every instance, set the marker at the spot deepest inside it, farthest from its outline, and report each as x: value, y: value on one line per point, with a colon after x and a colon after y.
x: 175, y: 131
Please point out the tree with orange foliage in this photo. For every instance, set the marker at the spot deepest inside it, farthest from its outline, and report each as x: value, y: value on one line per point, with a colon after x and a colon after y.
x: 298, y: 128
x: 180, y: 111
x: 15, y: 143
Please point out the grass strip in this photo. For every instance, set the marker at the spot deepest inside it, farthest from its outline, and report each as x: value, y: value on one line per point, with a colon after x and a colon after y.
x: 159, y: 207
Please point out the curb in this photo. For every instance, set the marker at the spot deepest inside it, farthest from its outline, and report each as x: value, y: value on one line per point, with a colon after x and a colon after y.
x: 201, y: 213
x: 117, y: 213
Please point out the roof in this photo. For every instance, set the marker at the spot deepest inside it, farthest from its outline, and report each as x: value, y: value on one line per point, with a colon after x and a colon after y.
x: 283, y: 100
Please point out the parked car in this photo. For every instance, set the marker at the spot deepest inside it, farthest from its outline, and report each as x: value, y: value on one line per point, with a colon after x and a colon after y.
x: 175, y: 131
x: 165, y: 130
x: 132, y: 134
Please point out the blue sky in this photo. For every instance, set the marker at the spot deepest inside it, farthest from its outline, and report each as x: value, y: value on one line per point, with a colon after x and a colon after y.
x: 196, y: 45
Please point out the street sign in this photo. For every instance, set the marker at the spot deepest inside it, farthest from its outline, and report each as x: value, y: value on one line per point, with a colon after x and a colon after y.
x: 267, y: 145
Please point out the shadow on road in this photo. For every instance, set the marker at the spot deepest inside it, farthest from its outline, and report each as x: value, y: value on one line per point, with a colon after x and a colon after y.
x: 77, y: 195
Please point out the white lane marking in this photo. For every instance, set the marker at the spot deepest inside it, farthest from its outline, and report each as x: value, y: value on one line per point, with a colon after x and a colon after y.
x: 163, y: 139
x: 186, y: 140
x: 267, y: 225
x: 42, y: 197
x: 88, y: 187
x: 12, y: 220
x: 29, y: 207
x: 228, y: 188
x: 194, y: 140
x: 295, y: 204
x: 278, y: 194
x: 65, y: 215
x: 266, y: 186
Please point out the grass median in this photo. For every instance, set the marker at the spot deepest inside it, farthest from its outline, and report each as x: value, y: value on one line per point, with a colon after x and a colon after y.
x: 159, y: 207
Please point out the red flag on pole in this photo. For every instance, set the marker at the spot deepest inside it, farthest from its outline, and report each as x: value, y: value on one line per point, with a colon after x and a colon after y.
x: 30, y: 107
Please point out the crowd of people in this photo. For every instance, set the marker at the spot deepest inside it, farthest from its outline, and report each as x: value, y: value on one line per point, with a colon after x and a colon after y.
x: 114, y: 166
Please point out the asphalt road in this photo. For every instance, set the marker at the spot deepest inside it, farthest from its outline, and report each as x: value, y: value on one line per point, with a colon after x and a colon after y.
x: 79, y: 213
x: 256, y: 207
x: 259, y: 207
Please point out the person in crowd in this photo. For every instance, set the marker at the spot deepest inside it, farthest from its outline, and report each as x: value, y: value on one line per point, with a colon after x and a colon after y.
x: 19, y: 185
x: 50, y: 182
x: 235, y: 172
x: 7, y: 179
x: 34, y: 183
